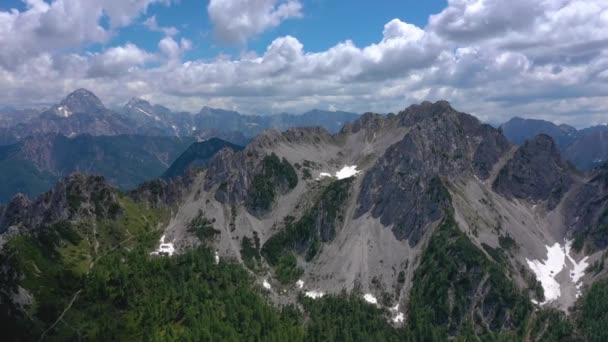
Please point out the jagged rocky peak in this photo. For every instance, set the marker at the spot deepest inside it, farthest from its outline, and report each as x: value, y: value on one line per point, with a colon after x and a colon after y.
x: 79, y: 101
x: 536, y: 173
x: 140, y: 107
x: 137, y: 102
x: 406, y: 186
x: 417, y: 112
x: 74, y: 197
x: 265, y: 139
x: 372, y: 122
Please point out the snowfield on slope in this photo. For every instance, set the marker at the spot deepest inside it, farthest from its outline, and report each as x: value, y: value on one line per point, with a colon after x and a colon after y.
x: 547, y: 270
x: 346, y: 172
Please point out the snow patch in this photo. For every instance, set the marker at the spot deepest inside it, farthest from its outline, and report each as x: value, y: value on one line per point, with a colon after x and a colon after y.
x: 399, y: 318
x: 165, y: 248
x: 547, y: 270
x: 578, y: 269
x: 314, y: 294
x: 217, y: 258
x: 64, y: 111
x: 300, y: 283
x: 266, y: 284
x: 143, y: 111
x: 370, y: 298
x: 323, y: 175
x: 346, y: 172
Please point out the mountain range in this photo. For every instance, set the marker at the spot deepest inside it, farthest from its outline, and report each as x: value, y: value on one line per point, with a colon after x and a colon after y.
x: 128, y: 146
x: 586, y: 148
x: 422, y: 225
x: 82, y: 112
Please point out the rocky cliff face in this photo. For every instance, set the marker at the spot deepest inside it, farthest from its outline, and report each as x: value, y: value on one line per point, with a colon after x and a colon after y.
x: 77, y: 197
x: 587, y: 211
x: 403, y: 187
x: 79, y: 101
x: 536, y: 173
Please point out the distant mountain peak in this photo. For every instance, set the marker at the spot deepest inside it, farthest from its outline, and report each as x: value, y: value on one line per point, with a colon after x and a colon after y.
x: 138, y: 106
x: 79, y: 101
x: 136, y: 102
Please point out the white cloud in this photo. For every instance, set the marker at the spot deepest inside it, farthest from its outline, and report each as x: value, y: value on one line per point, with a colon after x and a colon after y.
x: 472, y: 20
x: 118, y: 60
x: 60, y: 25
x: 235, y: 21
x: 552, y: 64
x: 172, y: 49
x: 152, y: 25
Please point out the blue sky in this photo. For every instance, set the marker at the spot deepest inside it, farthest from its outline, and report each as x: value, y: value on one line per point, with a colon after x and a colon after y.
x: 495, y: 59
x: 324, y: 22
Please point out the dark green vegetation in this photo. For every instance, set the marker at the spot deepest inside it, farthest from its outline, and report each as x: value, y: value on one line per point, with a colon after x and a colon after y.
x: 593, y: 320
x: 275, y: 175
x: 458, y: 290
x: 348, y: 318
x: 54, y: 263
x: 287, y: 270
x: 250, y: 252
x: 197, y: 156
x: 202, y: 227
x: 318, y: 224
x: 35, y: 164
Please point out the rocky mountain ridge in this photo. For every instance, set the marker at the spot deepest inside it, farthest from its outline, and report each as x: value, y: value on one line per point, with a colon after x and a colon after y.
x: 82, y: 112
x: 427, y: 213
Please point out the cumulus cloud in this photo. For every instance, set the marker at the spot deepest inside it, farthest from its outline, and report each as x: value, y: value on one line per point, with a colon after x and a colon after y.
x: 549, y: 61
x: 62, y: 24
x: 118, y: 60
x: 235, y: 21
x: 471, y: 20
x: 172, y: 49
x: 152, y: 25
